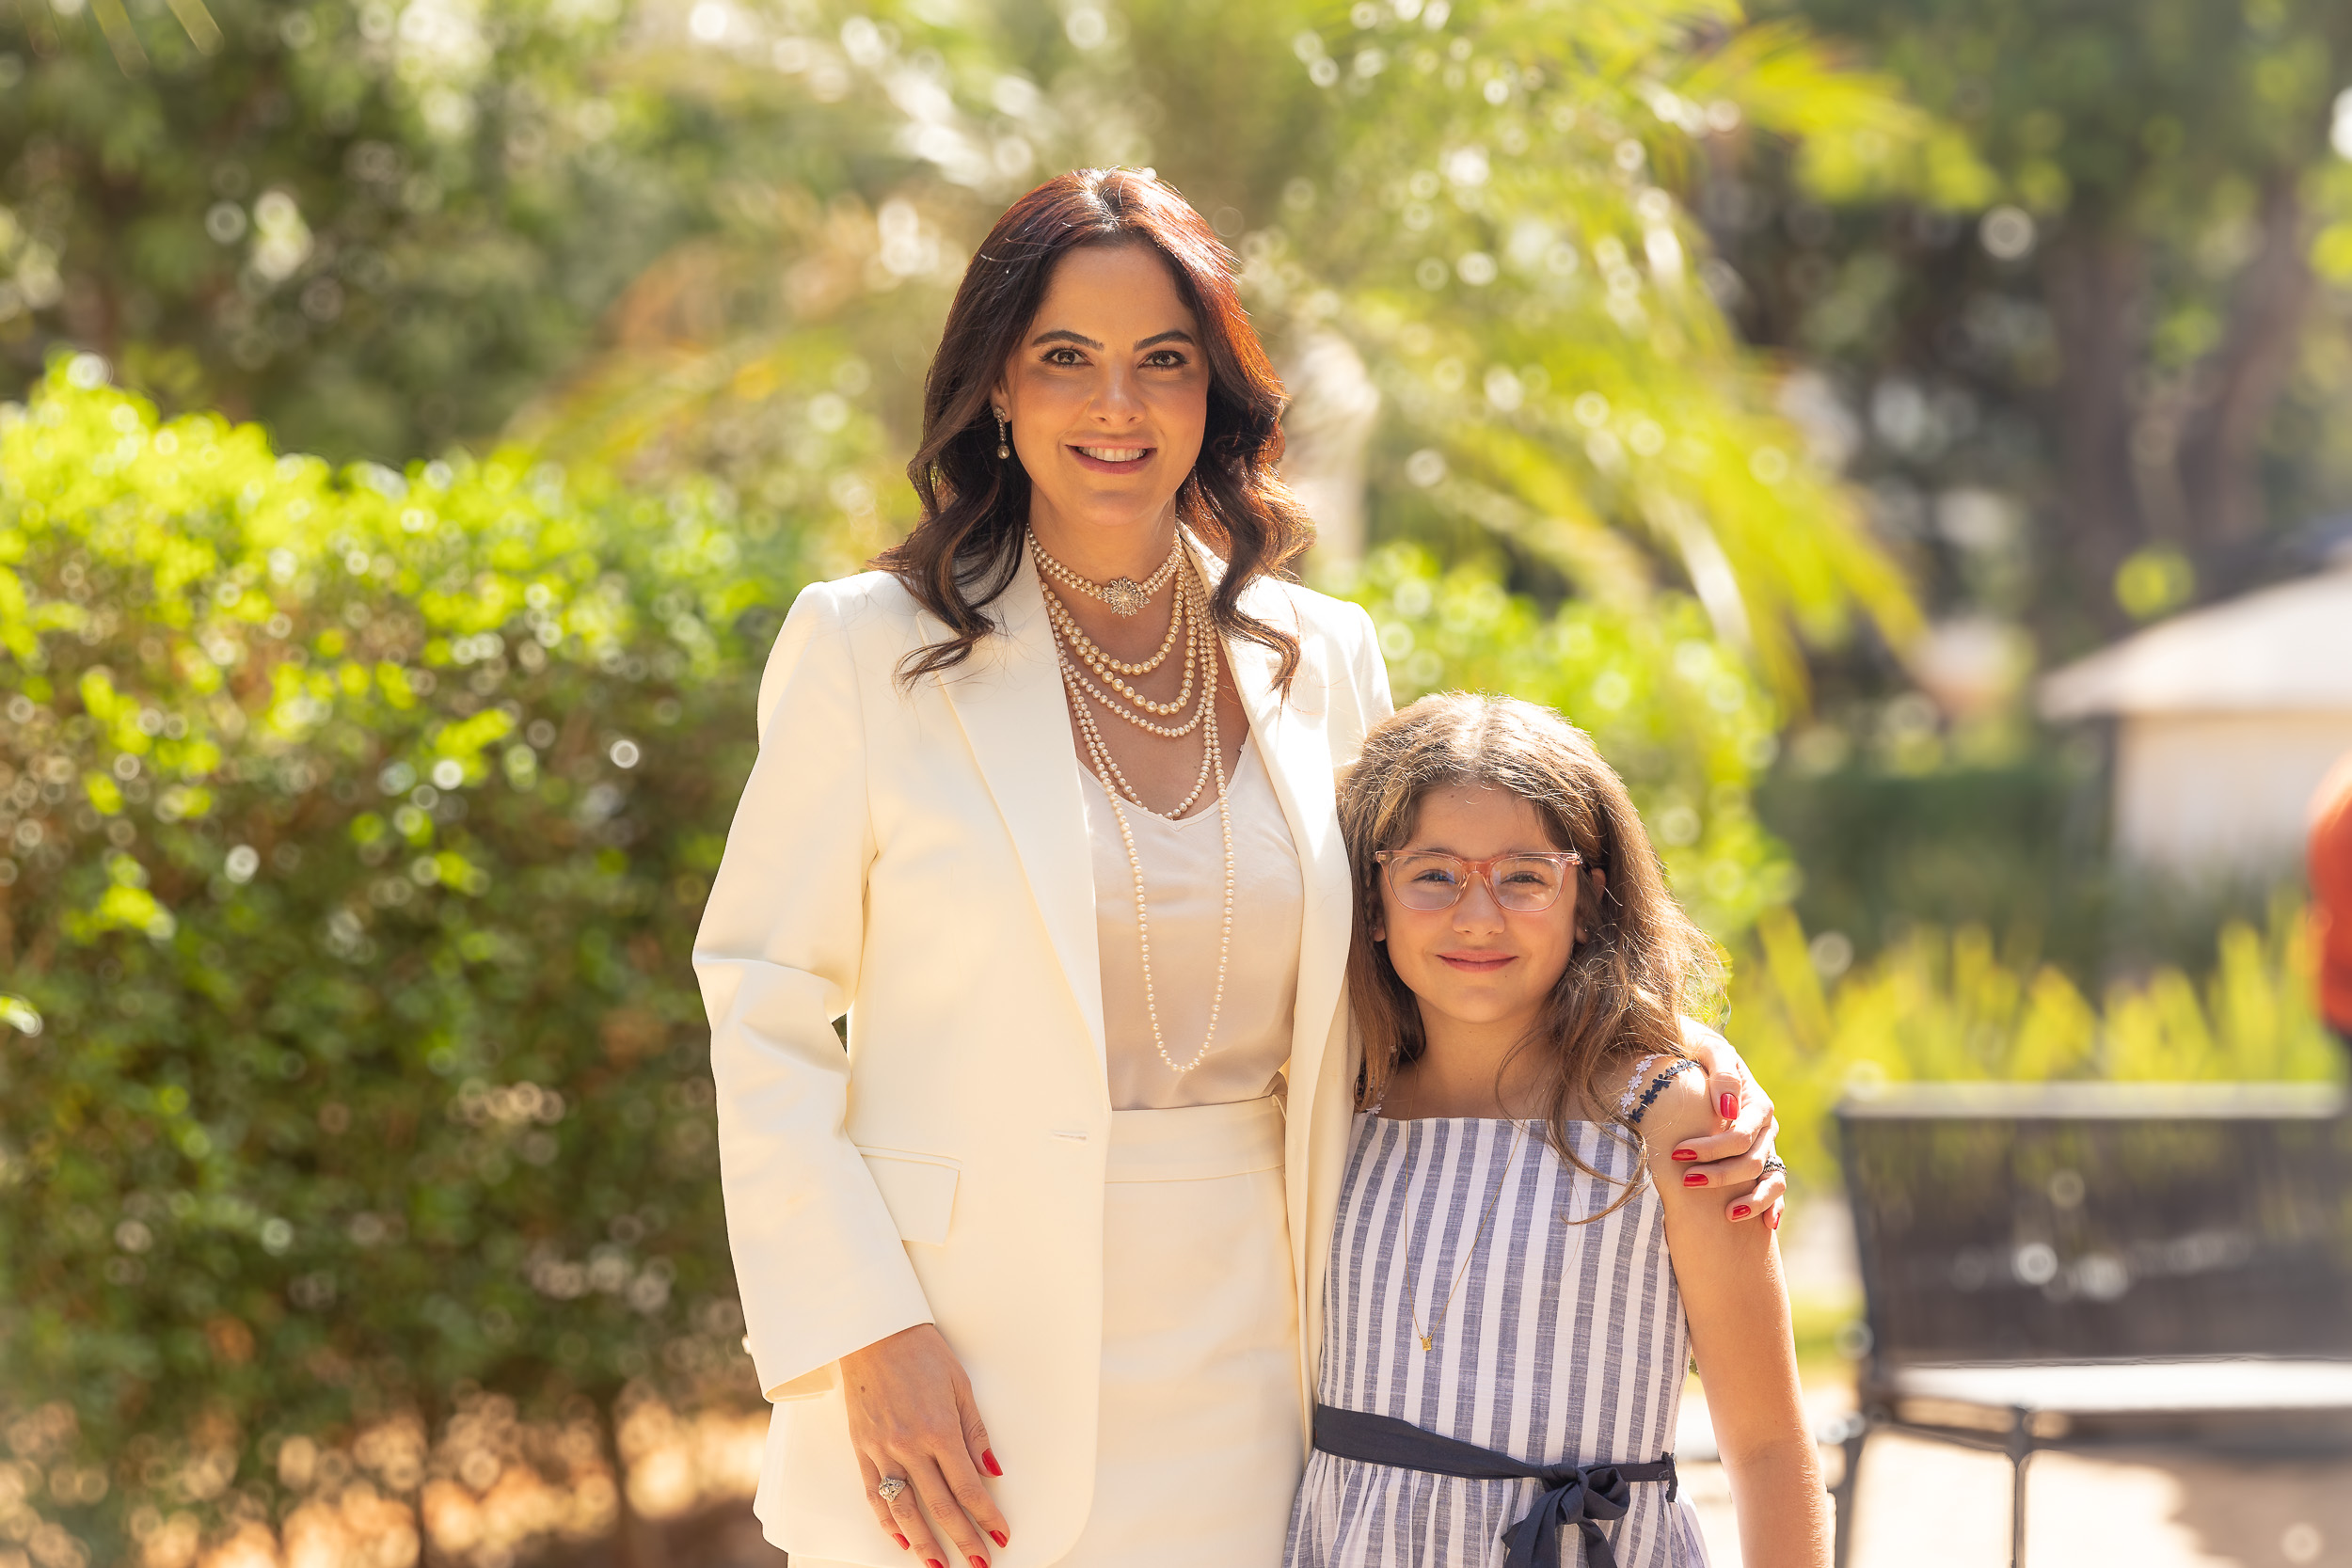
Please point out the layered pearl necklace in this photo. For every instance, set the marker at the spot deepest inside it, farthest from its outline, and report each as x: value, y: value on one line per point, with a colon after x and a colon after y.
x: 1092, y: 678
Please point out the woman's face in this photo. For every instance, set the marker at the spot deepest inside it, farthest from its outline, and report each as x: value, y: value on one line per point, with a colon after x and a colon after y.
x: 1477, y: 964
x: 1109, y: 394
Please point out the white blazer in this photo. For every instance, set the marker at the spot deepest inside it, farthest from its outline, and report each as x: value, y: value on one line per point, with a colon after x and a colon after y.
x: 918, y: 859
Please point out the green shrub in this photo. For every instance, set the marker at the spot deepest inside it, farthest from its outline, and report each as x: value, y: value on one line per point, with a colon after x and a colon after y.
x: 352, y: 830
x: 1947, y: 1004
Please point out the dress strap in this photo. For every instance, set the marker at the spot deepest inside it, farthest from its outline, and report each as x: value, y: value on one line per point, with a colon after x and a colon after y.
x: 1636, y: 1100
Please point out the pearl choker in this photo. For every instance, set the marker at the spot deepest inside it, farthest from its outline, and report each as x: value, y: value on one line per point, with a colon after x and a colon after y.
x: 1125, y: 596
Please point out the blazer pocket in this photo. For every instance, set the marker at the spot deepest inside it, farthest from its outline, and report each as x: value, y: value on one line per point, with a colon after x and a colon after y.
x: 920, y: 1190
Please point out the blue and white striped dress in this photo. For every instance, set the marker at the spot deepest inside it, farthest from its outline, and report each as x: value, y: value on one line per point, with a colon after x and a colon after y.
x: 1564, y: 1344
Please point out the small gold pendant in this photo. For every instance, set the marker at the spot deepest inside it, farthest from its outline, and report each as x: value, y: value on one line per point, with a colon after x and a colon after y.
x: 1425, y: 1344
x: 1126, y: 596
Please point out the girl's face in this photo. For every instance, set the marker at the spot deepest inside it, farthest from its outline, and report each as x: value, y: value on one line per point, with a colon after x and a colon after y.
x: 1108, y: 396
x: 1477, y: 964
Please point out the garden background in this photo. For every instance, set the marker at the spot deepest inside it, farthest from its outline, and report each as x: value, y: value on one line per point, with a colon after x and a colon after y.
x: 426, y: 410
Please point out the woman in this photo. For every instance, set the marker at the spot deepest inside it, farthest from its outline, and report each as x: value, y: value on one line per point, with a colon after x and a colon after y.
x: 1045, y: 806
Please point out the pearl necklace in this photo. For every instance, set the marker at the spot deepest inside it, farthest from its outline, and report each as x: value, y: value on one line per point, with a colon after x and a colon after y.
x: 1125, y: 596
x: 1110, y: 671
x: 1200, y: 658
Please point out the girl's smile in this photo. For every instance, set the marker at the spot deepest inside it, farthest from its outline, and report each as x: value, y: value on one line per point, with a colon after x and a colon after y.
x: 1478, y: 963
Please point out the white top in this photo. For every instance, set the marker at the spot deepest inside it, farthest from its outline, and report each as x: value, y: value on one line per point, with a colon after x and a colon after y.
x: 1183, y: 887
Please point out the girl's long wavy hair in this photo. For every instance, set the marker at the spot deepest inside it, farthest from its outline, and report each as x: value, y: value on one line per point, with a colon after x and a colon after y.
x: 1639, y: 965
x: 965, y: 552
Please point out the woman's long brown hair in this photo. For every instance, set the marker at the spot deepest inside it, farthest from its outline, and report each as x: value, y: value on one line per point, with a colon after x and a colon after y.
x: 1639, y: 965
x: 965, y: 552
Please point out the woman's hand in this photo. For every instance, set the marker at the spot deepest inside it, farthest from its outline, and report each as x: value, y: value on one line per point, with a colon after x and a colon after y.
x: 1743, y: 1151
x: 911, y: 1419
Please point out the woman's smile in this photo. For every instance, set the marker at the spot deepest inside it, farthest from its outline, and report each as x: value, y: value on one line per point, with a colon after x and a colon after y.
x: 1112, y: 460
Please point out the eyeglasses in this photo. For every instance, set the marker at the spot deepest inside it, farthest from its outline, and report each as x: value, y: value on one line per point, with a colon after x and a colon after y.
x: 1524, y: 884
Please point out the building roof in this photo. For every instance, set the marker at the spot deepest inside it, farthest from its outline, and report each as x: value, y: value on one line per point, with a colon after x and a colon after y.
x: 2280, y: 650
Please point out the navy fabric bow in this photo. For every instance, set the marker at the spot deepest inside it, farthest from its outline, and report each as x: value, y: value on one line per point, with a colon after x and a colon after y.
x: 1578, y: 1494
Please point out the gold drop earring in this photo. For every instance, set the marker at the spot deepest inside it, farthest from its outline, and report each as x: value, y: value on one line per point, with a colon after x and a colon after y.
x: 1003, y: 449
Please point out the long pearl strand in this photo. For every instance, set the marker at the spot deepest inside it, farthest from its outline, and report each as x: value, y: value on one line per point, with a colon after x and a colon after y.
x: 1199, y: 660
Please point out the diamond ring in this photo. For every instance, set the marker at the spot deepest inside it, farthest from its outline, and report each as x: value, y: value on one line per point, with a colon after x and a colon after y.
x: 890, y: 1488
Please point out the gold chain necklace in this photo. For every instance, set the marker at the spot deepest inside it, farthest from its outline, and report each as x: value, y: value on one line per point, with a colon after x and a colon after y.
x: 1201, y: 653
x: 1436, y: 1319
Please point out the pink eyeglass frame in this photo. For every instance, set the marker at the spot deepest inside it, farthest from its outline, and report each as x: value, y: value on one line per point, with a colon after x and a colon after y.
x: 1483, y: 870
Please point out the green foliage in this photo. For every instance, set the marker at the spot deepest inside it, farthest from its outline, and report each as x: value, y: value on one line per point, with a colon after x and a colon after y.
x: 1686, y: 725
x: 377, y: 228
x: 2148, y: 110
x: 1947, y: 1004
x: 1497, y: 227
x: 354, y: 826
x: 2127, y: 325
x: 1479, y: 203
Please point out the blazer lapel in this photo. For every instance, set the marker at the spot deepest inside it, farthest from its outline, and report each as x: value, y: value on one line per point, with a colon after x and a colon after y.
x: 1295, y: 745
x: 1008, y: 697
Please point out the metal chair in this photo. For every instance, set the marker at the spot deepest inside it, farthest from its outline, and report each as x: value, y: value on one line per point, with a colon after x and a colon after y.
x: 2057, y: 1265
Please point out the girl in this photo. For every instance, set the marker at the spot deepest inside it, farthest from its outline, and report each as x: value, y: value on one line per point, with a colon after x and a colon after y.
x: 1518, y: 1271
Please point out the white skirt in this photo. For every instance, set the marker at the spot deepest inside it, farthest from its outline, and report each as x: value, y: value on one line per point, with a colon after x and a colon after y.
x: 1202, y: 1437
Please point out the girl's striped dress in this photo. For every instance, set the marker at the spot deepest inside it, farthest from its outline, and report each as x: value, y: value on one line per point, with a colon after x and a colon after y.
x: 1566, y: 1343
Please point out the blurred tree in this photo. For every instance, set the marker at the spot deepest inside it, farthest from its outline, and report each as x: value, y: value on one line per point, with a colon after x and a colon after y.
x: 353, y: 829
x: 2136, y: 332
x: 375, y: 226
x: 1477, y: 200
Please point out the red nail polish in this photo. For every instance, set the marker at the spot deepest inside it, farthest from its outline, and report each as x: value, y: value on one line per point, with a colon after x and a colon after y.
x: 1740, y: 1211
x: 1775, y: 1219
x: 988, y: 1462
x: 978, y: 1561
x: 1728, y: 1104
x: 933, y: 1562
x: 899, y: 1539
x: 1694, y: 1179
x: 1686, y: 1154
x: 999, y: 1536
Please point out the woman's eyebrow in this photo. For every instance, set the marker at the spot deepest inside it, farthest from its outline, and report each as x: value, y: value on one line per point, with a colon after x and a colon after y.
x: 1063, y: 335
x: 1179, y: 336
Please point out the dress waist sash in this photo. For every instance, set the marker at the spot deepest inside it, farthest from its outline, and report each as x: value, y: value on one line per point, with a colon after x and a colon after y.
x: 1573, y: 1494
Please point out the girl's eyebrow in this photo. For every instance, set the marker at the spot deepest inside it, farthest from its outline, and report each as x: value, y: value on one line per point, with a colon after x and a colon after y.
x: 1178, y: 336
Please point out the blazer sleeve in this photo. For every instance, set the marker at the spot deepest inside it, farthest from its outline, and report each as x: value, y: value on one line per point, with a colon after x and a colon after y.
x: 1371, y: 673
x: 817, y: 1258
